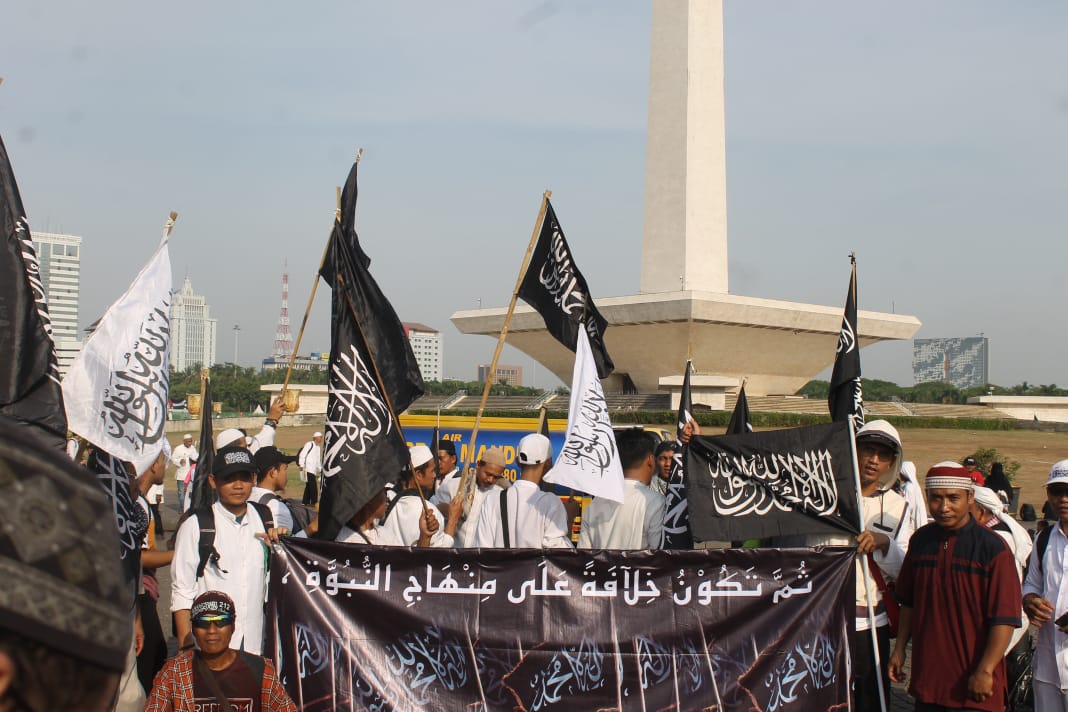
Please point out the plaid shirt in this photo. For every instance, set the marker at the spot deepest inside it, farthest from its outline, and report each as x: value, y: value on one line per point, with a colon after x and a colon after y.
x: 172, y: 690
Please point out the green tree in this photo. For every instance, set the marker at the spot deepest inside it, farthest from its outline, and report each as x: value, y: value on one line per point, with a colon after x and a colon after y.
x: 818, y: 390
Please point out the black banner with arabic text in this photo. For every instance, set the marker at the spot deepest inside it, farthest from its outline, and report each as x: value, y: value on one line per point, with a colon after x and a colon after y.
x: 392, y: 628
x: 775, y: 483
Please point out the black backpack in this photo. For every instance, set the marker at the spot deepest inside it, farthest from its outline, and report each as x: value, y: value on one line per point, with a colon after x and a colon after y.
x: 206, y: 524
x: 302, y: 514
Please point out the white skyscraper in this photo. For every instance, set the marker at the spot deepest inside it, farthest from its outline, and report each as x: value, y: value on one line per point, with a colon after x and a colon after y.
x: 59, y: 257
x: 192, y: 330
x: 428, y: 350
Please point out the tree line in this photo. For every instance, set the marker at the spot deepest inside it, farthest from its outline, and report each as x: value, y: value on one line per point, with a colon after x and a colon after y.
x: 933, y: 391
x: 238, y: 388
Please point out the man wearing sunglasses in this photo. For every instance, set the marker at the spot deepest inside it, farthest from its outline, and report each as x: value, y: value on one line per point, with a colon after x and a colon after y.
x: 1045, y: 598
x: 215, y: 676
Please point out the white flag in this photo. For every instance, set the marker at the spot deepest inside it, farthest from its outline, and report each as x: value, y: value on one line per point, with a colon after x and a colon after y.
x: 116, y: 390
x: 589, y: 461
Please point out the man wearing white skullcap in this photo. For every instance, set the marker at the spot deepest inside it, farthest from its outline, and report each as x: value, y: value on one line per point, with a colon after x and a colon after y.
x: 959, y: 592
x: 401, y: 518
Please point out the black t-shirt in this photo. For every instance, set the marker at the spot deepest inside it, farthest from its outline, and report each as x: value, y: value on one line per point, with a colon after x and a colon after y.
x: 237, y: 683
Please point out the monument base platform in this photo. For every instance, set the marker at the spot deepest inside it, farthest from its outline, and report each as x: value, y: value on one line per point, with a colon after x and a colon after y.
x: 778, y: 346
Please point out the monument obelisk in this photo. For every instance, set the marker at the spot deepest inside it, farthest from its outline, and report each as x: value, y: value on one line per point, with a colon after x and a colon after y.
x: 684, y: 245
x: 683, y: 308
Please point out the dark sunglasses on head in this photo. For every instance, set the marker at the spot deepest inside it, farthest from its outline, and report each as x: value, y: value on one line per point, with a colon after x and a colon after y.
x: 219, y: 620
x: 1057, y: 490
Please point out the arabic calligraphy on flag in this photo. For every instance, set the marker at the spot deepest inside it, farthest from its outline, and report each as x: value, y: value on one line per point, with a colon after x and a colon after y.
x: 116, y: 391
x: 457, y: 629
x: 775, y: 483
x: 589, y: 460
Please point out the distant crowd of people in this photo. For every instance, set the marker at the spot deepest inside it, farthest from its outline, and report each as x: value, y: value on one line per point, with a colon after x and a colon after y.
x: 941, y: 565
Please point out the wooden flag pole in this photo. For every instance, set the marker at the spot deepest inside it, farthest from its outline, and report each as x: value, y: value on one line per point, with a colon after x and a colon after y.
x: 466, y: 475
x: 172, y: 218
x: 315, y: 285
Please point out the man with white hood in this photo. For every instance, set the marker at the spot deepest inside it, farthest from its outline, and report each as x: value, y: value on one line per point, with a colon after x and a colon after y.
x: 908, y: 486
x: 886, y: 526
x: 989, y: 511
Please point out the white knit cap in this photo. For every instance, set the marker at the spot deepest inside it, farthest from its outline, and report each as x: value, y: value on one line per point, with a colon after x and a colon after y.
x: 420, y: 455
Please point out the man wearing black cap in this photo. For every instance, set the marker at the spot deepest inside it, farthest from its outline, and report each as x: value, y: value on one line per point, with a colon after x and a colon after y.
x: 215, y: 674
x: 233, y: 558
x: 64, y: 611
x: 446, y: 469
x: 273, y: 466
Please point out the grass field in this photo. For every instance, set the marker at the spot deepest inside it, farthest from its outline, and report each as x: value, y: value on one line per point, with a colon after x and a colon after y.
x: 1035, y: 451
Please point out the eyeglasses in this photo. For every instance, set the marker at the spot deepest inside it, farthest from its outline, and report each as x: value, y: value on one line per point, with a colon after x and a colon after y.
x: 1057, y: 491
x: 218, y: 620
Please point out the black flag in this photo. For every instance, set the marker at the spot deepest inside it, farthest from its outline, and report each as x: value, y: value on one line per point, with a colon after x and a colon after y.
x: 740, y: 422
x: 846, y: 399
x: 382, y: 329
x: 554, y: 286
x: 201, y: 493
x: 776, y: 483
x: 132, y: 521
x: 677, y: 533
x: 29, y: 372
x: 373, y: 376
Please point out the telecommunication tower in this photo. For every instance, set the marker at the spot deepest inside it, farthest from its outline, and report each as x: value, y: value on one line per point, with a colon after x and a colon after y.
x: 283, y: 338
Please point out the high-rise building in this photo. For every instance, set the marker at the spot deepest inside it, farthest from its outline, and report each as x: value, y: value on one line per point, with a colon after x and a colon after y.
x: 428, y: 349
x: 59, y: 259
x: 962, y: 361
x: 192, y: 330
x: 509, y: 375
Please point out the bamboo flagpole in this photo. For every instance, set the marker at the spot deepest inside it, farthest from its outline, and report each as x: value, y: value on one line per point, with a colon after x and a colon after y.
x: 315, y: 286
x: 466, y: 475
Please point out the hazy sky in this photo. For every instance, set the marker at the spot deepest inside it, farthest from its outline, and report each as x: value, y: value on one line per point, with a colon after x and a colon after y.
x: 931, y: 138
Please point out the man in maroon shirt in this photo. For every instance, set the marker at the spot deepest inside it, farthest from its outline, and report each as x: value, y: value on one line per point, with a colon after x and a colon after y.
x: 960, y: 595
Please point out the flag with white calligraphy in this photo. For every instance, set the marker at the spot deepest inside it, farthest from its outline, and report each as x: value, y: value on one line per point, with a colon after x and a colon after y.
x: 554, y: 286
x: 373, y: 376
x: 775, y: 483
x: 381, y: 328
x: 676, y: 513
x: 846, y: 398
x: 117, y: 389
x: 201, y: 494
x: 741, y: 421
x: 358, y: 627
x: 131, y: 520
x: 30, y: 392
x: 589, y: 460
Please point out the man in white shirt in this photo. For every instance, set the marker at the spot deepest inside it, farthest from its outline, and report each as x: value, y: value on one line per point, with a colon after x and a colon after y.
x: 488, y: 473
x: 1045, y: 598
x: 447, y: 470
x: 273, y: 466
x: 238, y: 564
x: 310, y: 461
x: 183, y: 458
x: 364, y: 529
x: 403, y: 512
x: 665, y: 457
x: 535, y: 519
x: 637, y: 523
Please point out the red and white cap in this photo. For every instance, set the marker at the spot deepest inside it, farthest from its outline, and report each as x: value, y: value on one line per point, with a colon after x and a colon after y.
x: 949, y: 475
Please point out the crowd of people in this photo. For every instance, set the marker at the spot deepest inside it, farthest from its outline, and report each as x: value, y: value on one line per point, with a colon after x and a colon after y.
x: 944, y: 568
